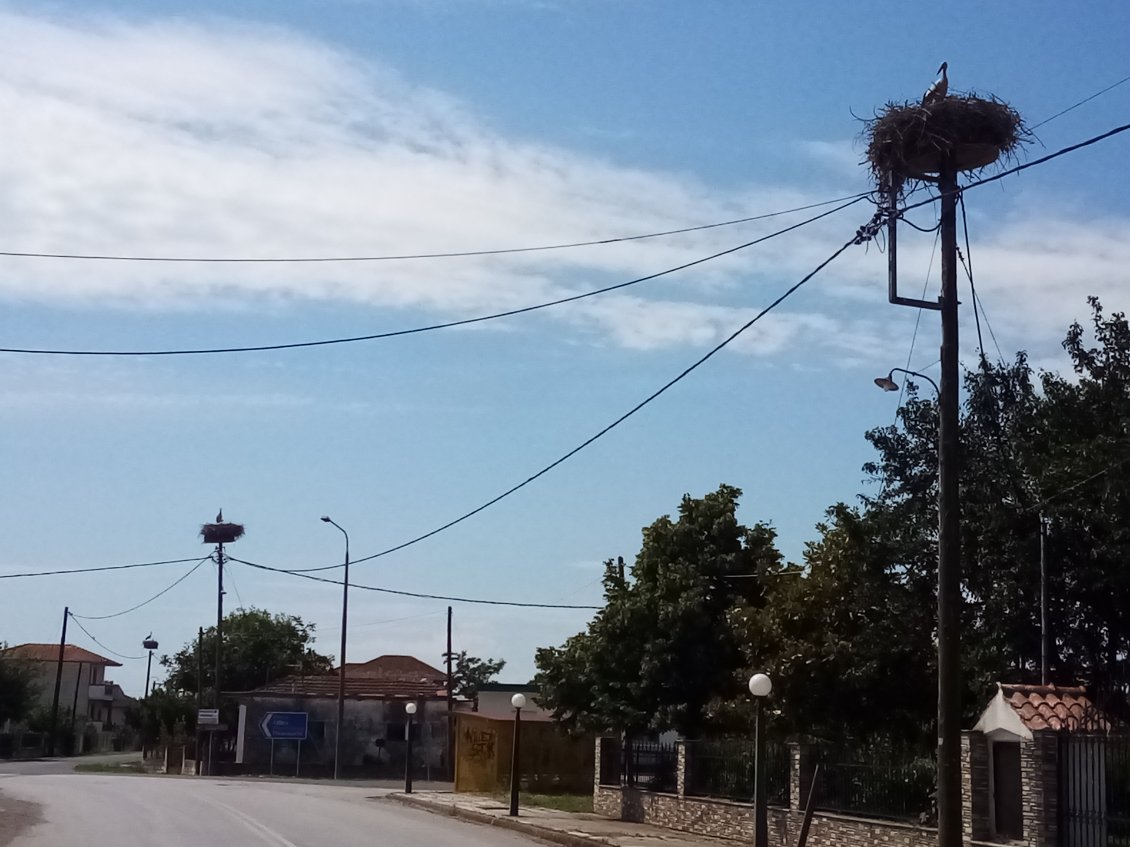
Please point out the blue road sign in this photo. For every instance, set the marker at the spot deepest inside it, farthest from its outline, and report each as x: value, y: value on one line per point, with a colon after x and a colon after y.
x: 284, y: 726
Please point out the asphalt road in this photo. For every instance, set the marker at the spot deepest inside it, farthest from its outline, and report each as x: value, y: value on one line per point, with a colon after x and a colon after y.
x: 77, y: 810
x: 41, y: 766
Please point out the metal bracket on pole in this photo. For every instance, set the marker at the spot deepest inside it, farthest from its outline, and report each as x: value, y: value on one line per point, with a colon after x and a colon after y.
x: 891, y: 195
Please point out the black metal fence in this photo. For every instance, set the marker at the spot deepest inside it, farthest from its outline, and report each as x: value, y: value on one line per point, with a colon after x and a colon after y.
x: 1094, y: 789
x: 725, y: 769
x: 651, y: 766
x: 893, y: 787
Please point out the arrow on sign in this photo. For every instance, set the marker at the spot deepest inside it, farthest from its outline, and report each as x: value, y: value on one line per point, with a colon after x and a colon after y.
x: 288, y: 726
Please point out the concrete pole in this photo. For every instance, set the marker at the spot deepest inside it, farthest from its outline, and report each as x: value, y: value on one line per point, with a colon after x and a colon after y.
x: 58, y: 683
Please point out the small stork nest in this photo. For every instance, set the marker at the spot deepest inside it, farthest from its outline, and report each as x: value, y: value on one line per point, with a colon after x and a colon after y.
x: 221, y: 533
x: 911, y: 140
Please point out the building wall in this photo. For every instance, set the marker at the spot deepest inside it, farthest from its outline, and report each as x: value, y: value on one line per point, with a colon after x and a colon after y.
x: 498, y: 703
x: 80, y: 674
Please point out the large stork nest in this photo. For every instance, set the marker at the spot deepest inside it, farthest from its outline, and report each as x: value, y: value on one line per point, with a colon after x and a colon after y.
x: 221, y: 533
x: 910, y: 141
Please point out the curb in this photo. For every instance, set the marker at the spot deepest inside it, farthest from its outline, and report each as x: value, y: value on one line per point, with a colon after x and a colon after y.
x: 556, y: 836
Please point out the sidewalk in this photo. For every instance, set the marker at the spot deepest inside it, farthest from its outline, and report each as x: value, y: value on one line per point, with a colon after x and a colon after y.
x: 572, y: 829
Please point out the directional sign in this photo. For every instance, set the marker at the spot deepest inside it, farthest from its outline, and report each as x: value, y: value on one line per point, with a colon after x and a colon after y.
x: 207, y: 717
x: 284, y: 726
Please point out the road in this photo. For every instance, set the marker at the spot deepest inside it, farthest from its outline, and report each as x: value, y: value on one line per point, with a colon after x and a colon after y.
x: 142, y: 811
x: 42, y: 766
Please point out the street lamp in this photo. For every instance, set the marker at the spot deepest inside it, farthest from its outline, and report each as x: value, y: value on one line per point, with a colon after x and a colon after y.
x: 150, y: 645
x: 518, y: 701
x: 760, y: 686
x: 409, y: 710
x: 341, y: 676
x: 888, y: 384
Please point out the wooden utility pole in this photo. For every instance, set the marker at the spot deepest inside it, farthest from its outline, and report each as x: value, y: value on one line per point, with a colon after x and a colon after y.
x: 949, y: 535
x: 199, y: 692
x: 1045, y: 648
x: 58, y: 683
x: 450, y: 707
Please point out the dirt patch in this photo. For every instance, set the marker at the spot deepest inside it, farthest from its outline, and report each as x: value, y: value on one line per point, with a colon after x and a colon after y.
x: 16, y: 817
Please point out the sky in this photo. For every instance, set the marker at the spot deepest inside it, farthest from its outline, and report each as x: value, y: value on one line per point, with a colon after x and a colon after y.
x: 348, y: 128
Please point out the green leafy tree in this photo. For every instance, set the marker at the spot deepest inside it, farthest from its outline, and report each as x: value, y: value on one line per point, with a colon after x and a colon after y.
x: 661, y: 651
x: 163, y: 715
x: 469, y: 673
x: 258, y: 647
x: 18, y: 689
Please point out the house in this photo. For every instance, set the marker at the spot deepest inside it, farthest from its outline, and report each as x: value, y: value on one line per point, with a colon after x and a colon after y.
x: 374, y: 730
x: 84, y: 691
x: 494, y: 698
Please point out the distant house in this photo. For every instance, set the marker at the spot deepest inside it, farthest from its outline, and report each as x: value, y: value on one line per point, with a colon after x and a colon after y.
x: 84, y: 690
x: 373, y: 736
x: 494, y: 698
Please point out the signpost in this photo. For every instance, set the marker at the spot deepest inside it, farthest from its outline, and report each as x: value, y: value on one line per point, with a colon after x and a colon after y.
x: 285, y: 726
x: 207, y: 717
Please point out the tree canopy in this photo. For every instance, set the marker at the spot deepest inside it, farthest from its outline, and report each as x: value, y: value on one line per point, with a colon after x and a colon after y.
x: 18, y: 690
x: 469, y: 673
x: 258, y: 647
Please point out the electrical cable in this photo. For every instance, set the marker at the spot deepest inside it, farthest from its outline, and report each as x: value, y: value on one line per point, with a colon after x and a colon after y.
x: 94, y: 570
x: 103, y: 646
x: 160, y: 593
x: 968, y: 265
x: 478, y: 601
x: 235, y: 588
x: 1080, y: 103
x: 432, y: 327
x: 1081, y: 483
x: 863, y: 234
x: 414, y: 256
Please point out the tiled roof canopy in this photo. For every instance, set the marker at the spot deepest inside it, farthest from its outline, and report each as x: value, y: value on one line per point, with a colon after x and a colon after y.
x: 394, y: 667
x: 1053, y: 707
x: 326, y: 685
x: 50, y: 653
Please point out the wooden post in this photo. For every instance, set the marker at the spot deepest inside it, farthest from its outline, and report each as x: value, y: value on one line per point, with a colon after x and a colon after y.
x: 58, y: 683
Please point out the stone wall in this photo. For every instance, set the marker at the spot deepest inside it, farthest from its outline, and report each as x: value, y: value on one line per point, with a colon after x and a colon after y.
x: 976, y: 820
x: 1039, y: 781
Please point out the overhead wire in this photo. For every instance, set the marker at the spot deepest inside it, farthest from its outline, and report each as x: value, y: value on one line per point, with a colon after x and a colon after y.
x: 98, y: 569
x: 863, y: 234
x: 458, y: 254
x: 100, y: 644
x: 1071, y: 108
x: 416, y: 594
x: 160, y: 593
x: 258, y: 348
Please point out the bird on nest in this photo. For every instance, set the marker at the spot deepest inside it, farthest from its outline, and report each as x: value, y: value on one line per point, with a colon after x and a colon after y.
x: 938, y: 90
x: 220, y: 516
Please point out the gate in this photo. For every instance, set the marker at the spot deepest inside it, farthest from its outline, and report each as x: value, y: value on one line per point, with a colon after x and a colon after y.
x: 1094, y: 789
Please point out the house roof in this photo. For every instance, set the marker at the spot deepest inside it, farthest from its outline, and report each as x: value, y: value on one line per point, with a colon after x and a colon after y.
x: 1019, y: 710
x: 50, y: 653
x: 405, y: 668
x: 364, y: 688
x: 508, y: 687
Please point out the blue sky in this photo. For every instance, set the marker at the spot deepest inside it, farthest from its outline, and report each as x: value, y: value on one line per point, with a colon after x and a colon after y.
x: 369, y: 127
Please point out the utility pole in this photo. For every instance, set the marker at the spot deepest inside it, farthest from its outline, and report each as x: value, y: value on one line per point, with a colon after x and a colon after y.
x: 450, y: 707
x: 1044, y: 639
x: 219, y: 619
x: 949, y: 535
x: 199, y: 690
x: 58, y: 683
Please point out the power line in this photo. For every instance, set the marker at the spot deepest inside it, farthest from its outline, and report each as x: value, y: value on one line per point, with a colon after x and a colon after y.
x: 100, y: 644
x: 160, y: 593
x: 231, y: 579
x: 1080, y: 103
x: 863, y: 234
x: 94, y: 570
x: 1083, y: 482
x: 432, y: 327
x: 414, y: 256
x: 416, y: 594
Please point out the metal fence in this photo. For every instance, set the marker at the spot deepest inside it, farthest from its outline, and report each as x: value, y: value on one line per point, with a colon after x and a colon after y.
x: 898, y: 788
x: 1094, y: 789
x: 725, y: 769
x: 651, y: 766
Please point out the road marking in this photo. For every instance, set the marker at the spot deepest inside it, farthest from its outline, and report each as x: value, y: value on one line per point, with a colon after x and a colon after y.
x: 266, y: 833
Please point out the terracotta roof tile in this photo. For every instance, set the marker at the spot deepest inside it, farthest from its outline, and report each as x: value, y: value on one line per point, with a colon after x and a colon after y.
x: 360, y: 687
x: 394, y: 667
x: 1054, y: 707
x: 50, y: 653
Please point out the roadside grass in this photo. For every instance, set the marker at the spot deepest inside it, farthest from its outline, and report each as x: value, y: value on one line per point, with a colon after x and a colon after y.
x: 561, y: 802
x: 111, y: 767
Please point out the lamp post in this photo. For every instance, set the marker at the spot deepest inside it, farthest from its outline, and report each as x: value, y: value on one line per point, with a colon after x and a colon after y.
x: 759, y: 686
x: 409, y: 710
x: 888, y: 384
x: 150, y: 645
x: 517, y: 701
x: 341, y: 673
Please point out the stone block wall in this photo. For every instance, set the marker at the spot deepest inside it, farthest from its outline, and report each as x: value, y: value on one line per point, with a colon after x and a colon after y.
x: 976, y: 820
x: 1039, y: 781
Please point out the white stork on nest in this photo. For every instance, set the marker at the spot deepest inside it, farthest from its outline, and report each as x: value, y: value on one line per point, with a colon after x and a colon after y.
x: 938, y: 90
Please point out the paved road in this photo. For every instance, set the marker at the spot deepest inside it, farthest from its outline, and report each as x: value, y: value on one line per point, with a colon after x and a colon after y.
x: 143, y: 811
x: 40, y: 766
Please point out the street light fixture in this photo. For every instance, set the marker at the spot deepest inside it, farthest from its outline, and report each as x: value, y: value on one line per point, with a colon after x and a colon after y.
x: 409, y: 710
x: 888, y: 384
x: 341, y: 676
x: 760, y: 687
x: 518, y: 701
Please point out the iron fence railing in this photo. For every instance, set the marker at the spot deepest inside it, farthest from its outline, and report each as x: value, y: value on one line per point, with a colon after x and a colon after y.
x: 651, y: 766
x: 725, y: 769
x: 899, y: 788
x: 1094, y: 789
x: 1118, y: 789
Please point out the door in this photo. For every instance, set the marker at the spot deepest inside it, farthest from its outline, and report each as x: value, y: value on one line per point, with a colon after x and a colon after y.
x: 1006, y: 790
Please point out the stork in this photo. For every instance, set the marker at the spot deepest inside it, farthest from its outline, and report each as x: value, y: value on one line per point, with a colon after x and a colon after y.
x: 220, y: 516
x: 938, y: 90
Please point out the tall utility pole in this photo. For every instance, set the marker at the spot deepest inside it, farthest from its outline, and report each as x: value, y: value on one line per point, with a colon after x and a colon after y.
x: 1044, y: 635
x: 949, y: 530
x: 450, y: 706
x: 338, y: 732
x: 219, y: 620
x: 58, y: 683
x: 199, y: 690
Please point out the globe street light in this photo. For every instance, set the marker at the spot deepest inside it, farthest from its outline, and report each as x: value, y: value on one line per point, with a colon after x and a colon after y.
x: 409, y: 710
x: 760, y: 686
x: 518, y: 701
x: 341, y: 676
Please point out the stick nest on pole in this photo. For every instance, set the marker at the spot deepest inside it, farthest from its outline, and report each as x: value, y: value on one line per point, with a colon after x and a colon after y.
x: 221, y: 533
x: 909, y: 141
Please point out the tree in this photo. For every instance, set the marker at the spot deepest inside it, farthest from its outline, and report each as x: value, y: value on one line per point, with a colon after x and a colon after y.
x: 469, y: 673
x: 661, y: 650
x: 258, y: 647
x: 18, y: 690
x: 164, y: 714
